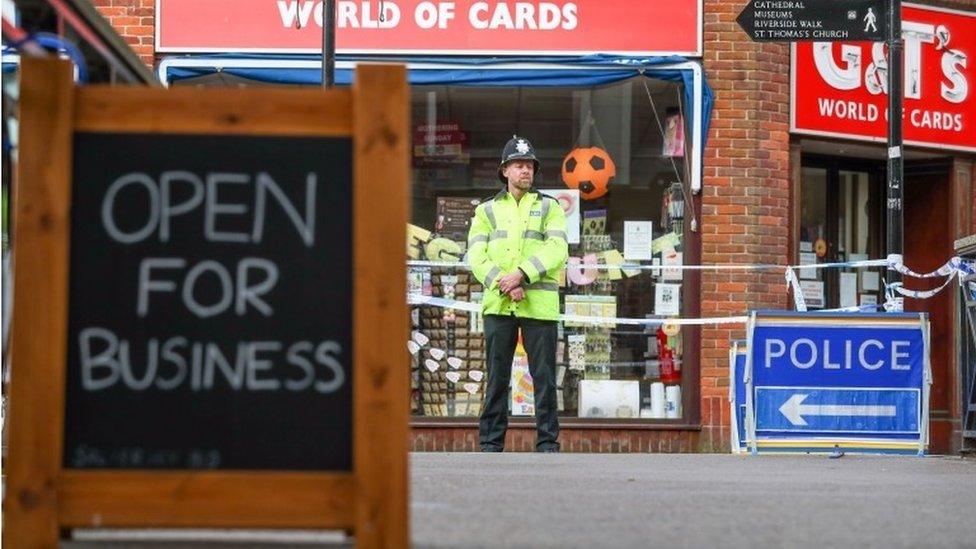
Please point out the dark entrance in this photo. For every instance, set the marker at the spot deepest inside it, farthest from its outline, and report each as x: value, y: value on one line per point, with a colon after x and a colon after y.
x: 928, y: 244
x: 842, y: 218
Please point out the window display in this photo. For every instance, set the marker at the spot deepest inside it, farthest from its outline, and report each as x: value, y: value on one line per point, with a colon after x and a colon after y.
x: 614, y: 157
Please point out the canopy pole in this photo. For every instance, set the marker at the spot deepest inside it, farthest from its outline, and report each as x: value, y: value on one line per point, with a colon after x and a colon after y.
x: 328, y: 44
x: 896, y: 161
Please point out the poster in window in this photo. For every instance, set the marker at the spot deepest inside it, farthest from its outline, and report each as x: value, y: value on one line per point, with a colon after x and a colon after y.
x: 594, y: 222
x: 454, y: 215
x: 569, y: 199
x: 667, y: 299
x: 674, y: 134
x: 870, y: 281
x: 637, y: 240
x: 813, y: 293
x: 577, y: 352
x: 600, y: 306
x: 848, y: 289
x: 674, y: 260
x: 609, y: 398
x: 523, y: 395
x: 808, y: 258
x: 443, y: 143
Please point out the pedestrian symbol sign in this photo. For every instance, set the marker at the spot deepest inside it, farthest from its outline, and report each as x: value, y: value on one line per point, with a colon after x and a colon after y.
x: 813, y: 20
x: 870, y: 18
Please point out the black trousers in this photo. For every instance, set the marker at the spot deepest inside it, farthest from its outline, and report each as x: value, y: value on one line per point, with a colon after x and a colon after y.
x: 539, y: 340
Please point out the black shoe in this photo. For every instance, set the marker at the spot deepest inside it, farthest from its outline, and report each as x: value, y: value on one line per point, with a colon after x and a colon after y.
x: 549, y: 450
x: 490, y: 448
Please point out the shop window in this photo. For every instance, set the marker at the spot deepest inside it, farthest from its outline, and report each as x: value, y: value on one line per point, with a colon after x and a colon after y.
x: 605, y: 370
x: 840, y: 221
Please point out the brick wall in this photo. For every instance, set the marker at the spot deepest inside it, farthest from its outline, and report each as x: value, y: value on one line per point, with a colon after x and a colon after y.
x: 745, y: 198
x: 133, y: 20
x: 522, y: 439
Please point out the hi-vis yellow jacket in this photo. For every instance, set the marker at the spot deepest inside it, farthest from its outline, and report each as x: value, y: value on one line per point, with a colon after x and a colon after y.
x: 530, y: 235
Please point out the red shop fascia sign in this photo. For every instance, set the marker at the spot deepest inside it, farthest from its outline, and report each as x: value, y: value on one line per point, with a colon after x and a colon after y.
x: 839, y: 89
x: 426, y: 27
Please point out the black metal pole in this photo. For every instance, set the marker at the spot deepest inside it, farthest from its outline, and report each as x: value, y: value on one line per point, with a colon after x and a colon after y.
x: 328, y: 44
x: 896, y: 165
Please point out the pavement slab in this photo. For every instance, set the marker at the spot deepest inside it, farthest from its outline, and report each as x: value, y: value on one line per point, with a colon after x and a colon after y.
x: 696, y: 500
x: 525, y: 500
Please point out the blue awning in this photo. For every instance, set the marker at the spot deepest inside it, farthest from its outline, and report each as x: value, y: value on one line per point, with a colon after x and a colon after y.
x: 582, y: 71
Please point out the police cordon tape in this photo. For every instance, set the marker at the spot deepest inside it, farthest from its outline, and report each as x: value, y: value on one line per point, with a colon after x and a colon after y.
x: 468, y: 306
x: 951, y: 269
x: 476, y: 308
x: 638, y: 267
x: 955, y: 267
x: 894, y: 261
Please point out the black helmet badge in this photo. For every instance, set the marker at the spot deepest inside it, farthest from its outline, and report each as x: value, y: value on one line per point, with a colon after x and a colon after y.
x: 517, y: 148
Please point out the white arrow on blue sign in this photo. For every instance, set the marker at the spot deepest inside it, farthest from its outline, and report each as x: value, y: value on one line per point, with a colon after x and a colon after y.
x: 847, y: 410
x: 794, y: 409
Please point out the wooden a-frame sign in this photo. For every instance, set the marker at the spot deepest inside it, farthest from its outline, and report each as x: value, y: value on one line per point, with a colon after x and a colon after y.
x: 207, y: 318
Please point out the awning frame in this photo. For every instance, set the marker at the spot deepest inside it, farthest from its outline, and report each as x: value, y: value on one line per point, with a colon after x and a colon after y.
x: 221, y: 63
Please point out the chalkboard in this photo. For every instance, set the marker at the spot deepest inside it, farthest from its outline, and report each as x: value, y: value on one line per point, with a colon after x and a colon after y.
x: 192, y: 349
x: 210, y: 303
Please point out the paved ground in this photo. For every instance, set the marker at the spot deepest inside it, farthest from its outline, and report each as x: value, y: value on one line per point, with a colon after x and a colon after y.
x: 567, y: 500
x: 619, y: 501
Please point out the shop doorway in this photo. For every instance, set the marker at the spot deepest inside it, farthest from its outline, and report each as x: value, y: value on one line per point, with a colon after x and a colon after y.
x: 842, y: 218
x: 928, y: 244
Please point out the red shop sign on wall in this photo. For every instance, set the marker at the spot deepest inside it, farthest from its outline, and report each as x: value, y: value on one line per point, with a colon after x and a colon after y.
x: 840, y: 89
x: 433, y: 27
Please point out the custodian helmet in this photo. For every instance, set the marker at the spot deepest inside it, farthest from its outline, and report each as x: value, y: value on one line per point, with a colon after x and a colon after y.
x: 517, y: 148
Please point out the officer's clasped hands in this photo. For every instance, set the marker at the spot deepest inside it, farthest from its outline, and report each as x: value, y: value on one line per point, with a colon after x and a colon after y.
x: 511, y: 285
x: 517, y: 294
x: 510, y: 281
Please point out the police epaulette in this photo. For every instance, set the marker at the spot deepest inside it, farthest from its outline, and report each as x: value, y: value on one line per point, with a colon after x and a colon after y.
x: 495, y: 196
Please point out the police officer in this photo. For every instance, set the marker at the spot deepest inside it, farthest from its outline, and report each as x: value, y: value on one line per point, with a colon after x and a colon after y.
x: 517, y: 248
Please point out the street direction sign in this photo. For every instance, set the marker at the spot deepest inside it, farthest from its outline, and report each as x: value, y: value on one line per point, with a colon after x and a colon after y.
x: 816, y: 381
x: 837, y: 410
x: 814, y: 20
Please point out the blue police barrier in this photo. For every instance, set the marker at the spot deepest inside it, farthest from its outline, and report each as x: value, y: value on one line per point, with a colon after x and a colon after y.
x: 818, y: 381
x: 737, y: 396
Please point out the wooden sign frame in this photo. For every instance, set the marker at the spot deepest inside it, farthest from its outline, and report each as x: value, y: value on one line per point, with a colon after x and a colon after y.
x: 42, y: 496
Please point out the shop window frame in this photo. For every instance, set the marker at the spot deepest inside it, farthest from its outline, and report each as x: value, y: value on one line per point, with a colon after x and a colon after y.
x: 691, y: 380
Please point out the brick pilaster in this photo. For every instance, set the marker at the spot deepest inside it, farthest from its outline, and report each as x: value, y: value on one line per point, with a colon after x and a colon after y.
x: 134, y: 20
x: 745, y: 197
